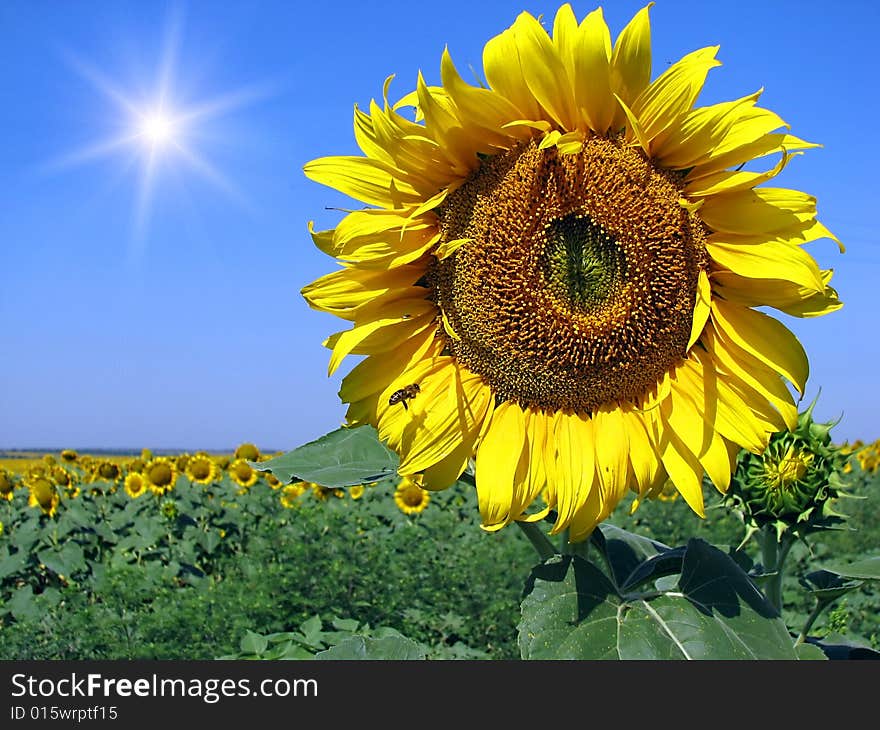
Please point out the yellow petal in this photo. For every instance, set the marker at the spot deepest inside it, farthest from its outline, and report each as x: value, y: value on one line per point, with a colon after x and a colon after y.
x: 544, y: 72
x: 364, y: 179
x: 684, y: 469
x: 449, y: 410
x: 702, y: 308
x: 674, y: 92
x: 731, y: 181
x: 631, y: 60
x: 762, y: 210
x: 782, y: 295
x: 344, y: 292
x: 764, y: 337
x: 504, y: 72
x: 746, y: 367
x: 575, y: 465
x: 767, y: 260
x: 498, y: 459
x: 592, y: 76
x: 393, y: 323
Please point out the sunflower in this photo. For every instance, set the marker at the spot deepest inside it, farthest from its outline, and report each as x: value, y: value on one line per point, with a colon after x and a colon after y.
x: 7, y: 485
x: 136, y: 484
x: 273, y: 481
x: 243, y: 474
x: 161, y: 474
x: 410, y: 497
x: 69, y: 455
x: 44, y: 495
x: 106, y: 469
x: 321, y: 493
x: 357, y: 491
x: 247, y: 451
x: 557, y: 274
x: 291, y: 492
x: 202, y: 469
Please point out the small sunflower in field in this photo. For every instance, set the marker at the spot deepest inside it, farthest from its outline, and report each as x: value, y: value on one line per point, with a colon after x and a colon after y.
x: 410, y: 497
x: 136, y: 484
x: 69, y: 455
x: 357, y: 491
x: 7, y: 485
x: 223, y: 462
x: 202, y: 469
x: 136, y: 464
x: 558, y: 274
x: 108, y: 470
x: 322, y: 493
x: 290, y: 493
x: 273, y: 481
x: 161, y: 474
x: 248, y: 451
x: 49, y: 460
x: 43, y: 494
x: 243, y: 474
x: 181, y: 460
x: 61, y: 476
x: 146, y: 454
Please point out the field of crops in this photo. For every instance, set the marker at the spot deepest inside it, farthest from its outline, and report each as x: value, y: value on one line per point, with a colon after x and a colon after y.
x: 199, y: 556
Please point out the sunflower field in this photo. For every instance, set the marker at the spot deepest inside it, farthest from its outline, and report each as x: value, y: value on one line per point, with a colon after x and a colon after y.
x: 105, y: 557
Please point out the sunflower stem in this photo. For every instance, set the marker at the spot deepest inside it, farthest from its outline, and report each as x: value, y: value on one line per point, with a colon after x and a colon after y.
x: 811, y: 619
x: 773, y: 554
x: 539, y: 540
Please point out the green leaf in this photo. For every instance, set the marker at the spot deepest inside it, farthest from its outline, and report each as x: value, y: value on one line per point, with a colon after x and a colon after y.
x: 395, y: 648
x: 827, y: 586
x: 866, y: 569
x: 809, y: 651
x: 572, y: 611
x: 252, y: 643
x: 342, y: 458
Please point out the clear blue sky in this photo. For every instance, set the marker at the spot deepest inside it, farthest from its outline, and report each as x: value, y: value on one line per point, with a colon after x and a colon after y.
x: 168, y: 315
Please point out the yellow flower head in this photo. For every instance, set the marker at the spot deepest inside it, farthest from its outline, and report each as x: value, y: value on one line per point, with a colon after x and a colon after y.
x: 7, y: 485
x: 291, y: 492
x: 356, y: 492
x: 410, y: 497
x: 161, y: 474
x: 273, y: 481
x: 181, y: 460
x: 247, y: 451
x: 558, y: 272
x: 243, y: 473
x: 136, y: 484
x: 223, y: 462
x: 106, y: 469
x: 44, y: 495
x: 69, y: 455
x: 202, y: 469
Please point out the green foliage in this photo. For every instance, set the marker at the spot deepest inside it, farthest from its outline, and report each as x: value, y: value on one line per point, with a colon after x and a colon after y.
x: 698, y: 605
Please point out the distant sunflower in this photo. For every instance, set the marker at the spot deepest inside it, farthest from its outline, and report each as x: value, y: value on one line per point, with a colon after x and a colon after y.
x: 181, y: 460
x: 223, y: 462
x: 247, y: 451
x: 322, y: 493
x: 567, y: 261
x: 273, y: 481
x: 290, y: 493
x: 357, y: 491
x: 410, y: 497
x: 106, y: 469
x: 161, y: 474
x: 7, y: 485
x: 136, y: 484
x: 243, y: 473
x: 202, y: 469
x: 69, y: 455
x: 43, y: 494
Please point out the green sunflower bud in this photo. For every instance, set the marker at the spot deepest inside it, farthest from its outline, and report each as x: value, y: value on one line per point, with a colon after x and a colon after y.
x: 795, y: 483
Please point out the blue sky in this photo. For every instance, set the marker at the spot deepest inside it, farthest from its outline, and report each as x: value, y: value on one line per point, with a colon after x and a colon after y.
x: 165, y: 311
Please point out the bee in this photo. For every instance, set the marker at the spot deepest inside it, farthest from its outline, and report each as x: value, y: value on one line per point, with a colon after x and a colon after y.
x: 404, y: 394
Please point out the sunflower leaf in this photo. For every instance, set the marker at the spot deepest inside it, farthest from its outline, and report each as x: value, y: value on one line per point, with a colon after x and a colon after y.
x: 345, y: 457
x: 713, y: 611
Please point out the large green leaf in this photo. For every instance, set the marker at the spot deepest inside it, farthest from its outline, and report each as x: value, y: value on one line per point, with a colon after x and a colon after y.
x: 866, y: 569
x: 342, y: 458
x: 573, y: 611
x: 364, y: 647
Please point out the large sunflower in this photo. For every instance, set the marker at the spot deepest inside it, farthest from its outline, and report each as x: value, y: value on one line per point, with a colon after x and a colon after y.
x: 557, y: 274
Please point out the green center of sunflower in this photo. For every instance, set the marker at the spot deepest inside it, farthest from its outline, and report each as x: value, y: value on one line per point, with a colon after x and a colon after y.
x: 582, y: 263
x: 578, y: 282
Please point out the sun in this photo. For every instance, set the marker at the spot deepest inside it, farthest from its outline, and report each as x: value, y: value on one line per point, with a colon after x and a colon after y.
x: 157, y: 129
x: 162, y: 132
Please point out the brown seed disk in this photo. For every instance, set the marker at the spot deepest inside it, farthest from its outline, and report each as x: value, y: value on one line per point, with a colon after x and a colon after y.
x: 578, y: 286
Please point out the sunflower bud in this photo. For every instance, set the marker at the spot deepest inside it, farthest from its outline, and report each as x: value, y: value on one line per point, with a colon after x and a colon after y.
x: 794, y: 483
